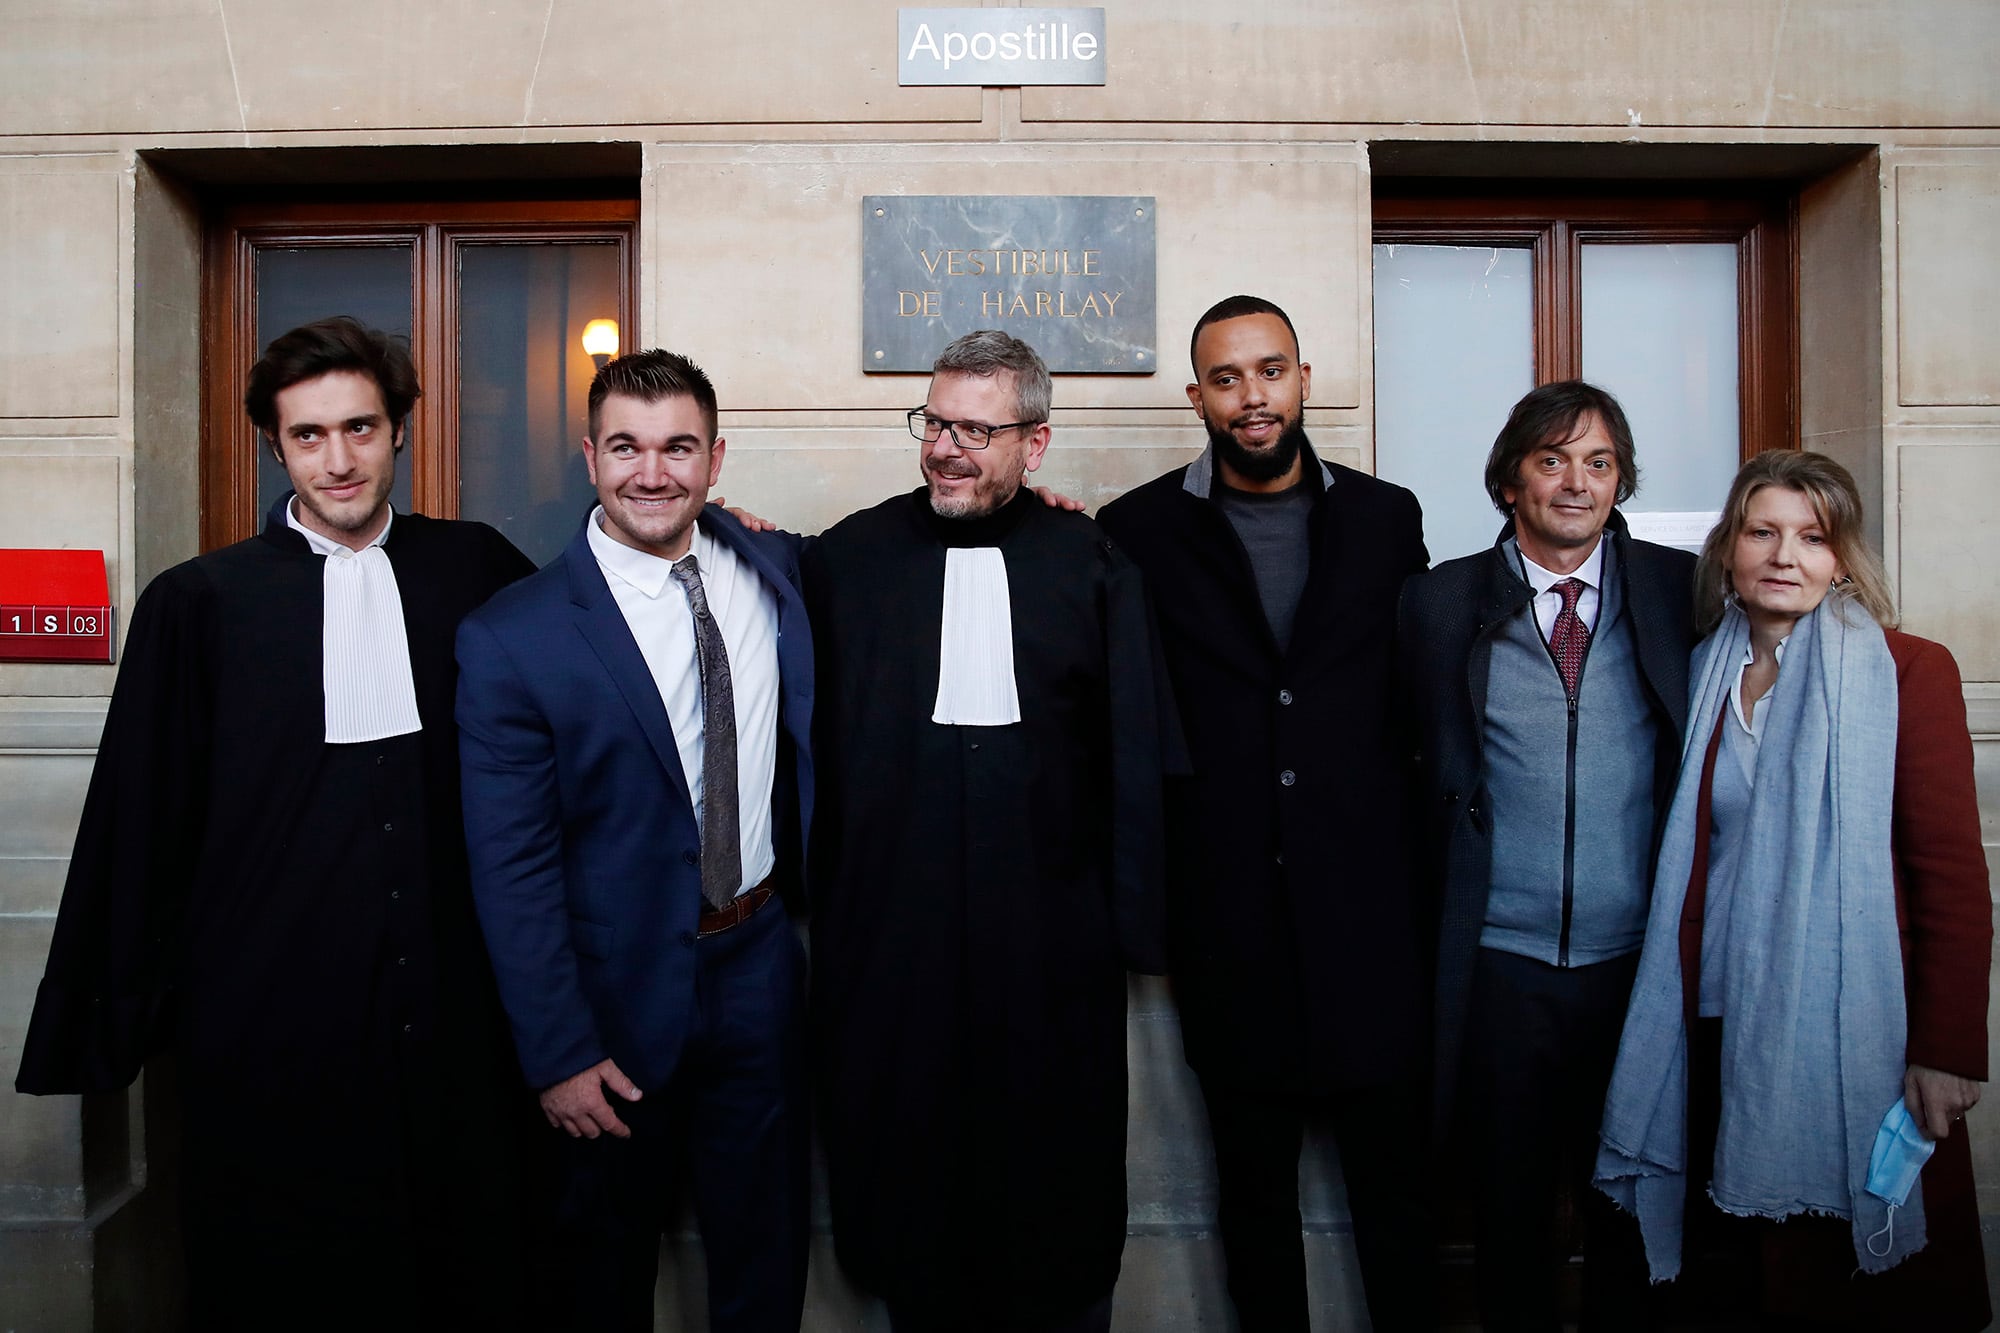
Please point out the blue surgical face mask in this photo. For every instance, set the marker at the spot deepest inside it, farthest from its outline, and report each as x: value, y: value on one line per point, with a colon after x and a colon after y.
x: 1900, y: 1153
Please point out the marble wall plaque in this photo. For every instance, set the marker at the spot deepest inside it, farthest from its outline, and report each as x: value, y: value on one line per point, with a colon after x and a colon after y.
x: 1071, y: 275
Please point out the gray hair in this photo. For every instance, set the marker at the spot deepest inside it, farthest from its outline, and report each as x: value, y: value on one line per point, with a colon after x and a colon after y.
x: 990, y: 351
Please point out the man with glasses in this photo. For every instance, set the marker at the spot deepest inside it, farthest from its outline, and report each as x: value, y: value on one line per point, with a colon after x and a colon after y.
x: 985, y: 866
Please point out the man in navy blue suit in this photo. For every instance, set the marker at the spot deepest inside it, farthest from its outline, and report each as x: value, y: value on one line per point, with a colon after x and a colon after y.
x: 635, y: 725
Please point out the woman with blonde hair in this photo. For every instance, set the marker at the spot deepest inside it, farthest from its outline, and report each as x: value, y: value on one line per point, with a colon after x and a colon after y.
x: 1809, y: 1018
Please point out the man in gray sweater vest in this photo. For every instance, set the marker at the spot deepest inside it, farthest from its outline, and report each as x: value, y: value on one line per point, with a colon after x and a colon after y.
x: 1548, y: 681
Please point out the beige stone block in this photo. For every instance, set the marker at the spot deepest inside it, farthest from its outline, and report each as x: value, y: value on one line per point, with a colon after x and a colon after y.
x: 41, y: 1138
x: 60, y: 283
x: 31, y: 884
x: 762, y: 282
x: 1986, y: 774
x: 1286, y: 60
x: 1557, y: 62
x: 1948, y: 282
x: 44, y: 797
x: 107, y: 66
x: 65, y: 502
x: 46, y: 1277
x: 759, y: 62
x: 1545, y: 62
x: 1949, y: 547
x: 303, y: 65
x: 806, y: 481
x: 1840, y: 325
x: 1888, y: 63
x: 166, y: 378
x: 1169, y: 1167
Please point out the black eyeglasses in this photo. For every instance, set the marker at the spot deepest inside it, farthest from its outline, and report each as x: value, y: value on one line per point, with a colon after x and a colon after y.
x: 965, y: 434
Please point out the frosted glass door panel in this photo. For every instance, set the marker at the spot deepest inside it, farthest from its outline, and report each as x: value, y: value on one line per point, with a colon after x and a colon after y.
x: 1454, y: 350
x: 1660, y: 332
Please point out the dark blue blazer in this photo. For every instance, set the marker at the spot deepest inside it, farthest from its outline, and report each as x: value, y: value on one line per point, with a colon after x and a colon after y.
x: 584, y: 849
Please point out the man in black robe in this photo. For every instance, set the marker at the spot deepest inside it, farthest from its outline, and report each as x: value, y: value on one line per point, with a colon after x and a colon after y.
x: 986, y: 865
x: 269, y: 880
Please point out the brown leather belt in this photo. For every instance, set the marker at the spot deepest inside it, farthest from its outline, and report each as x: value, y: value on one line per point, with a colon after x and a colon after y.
x: 715, y: 920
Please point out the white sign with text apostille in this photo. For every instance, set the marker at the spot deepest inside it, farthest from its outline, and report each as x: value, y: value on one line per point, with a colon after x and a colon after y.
x: 986, y: 48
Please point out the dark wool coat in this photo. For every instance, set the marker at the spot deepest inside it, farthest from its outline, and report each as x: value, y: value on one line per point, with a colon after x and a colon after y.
x: 1294, y: 933
x: 1446, y: 627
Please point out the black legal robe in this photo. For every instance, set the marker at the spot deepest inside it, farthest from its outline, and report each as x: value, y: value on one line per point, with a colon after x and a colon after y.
x: 292, y: 920
x: 978, y: 893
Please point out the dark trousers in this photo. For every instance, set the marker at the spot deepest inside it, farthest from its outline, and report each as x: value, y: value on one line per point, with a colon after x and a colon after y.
x: 1257, y: 1136
x: 1539, y: 1046
x: 1095, y: 1318
x: 734, y: 1120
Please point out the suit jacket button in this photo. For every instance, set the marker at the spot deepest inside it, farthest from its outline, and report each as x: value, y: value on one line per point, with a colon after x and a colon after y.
x: 687, y: 938
x: 691, y: 856
x: 1287, y: 778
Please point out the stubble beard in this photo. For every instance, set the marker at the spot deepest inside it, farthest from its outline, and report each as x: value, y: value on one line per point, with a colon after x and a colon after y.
x: 988, y: 495
x: 350, y: 517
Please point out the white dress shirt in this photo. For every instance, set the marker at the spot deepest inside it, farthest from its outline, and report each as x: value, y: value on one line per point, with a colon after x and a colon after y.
x: 745, y: 609
x: 1749, y: 722
x: 364, y: 647
x: 1548, y: 603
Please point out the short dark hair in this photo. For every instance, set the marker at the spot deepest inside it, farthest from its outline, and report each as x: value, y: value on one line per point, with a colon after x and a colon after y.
x: 650, y: 376
x: 320, y: 348
x: 1236, y: 307
x: 1554, y: 414
x: 987, y: 352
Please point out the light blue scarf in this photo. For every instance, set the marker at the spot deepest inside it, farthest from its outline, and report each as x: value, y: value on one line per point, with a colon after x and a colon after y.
x: 1813, y: 1024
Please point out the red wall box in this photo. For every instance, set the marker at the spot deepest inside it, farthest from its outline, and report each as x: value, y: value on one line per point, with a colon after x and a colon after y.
x: 55, y: 606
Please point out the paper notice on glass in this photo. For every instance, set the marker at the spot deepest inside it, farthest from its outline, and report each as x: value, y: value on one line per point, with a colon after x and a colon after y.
x: 1687, y: 529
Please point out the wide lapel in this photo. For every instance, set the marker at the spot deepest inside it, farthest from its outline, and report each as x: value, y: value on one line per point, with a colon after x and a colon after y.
x: 603, y: 627
x: 1503, y: 593
x: 1229, y: 564
x: 290, y: 643
x: 1326, y: 624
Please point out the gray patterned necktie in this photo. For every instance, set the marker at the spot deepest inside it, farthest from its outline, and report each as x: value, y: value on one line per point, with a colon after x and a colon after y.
x: 721, y: 844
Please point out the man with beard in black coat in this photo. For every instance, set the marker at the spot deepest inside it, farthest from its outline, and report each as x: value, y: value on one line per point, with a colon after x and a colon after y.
x: 1293, y: 934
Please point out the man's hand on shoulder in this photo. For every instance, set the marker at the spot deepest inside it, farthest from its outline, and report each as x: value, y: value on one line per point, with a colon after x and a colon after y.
x: 1055, y: 499
x: 578, y: 1106
x: 745, y: 517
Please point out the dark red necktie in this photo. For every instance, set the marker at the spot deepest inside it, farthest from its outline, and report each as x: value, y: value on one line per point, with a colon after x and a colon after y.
x: 1569, y: 639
